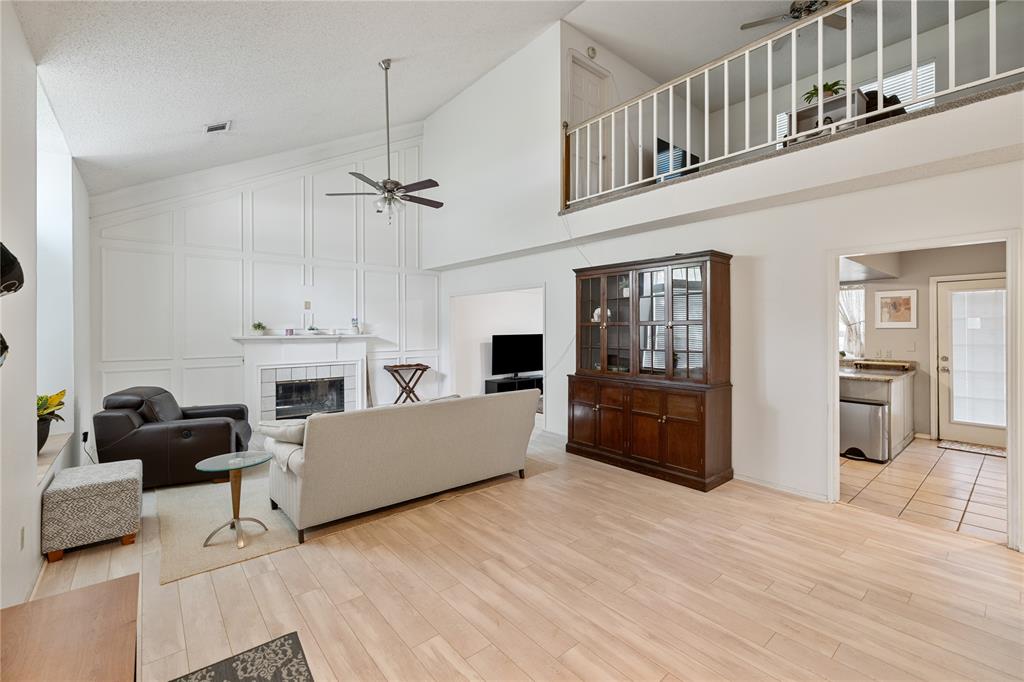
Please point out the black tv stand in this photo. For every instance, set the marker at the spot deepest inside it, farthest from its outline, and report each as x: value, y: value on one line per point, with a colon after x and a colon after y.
x: 513, y: 383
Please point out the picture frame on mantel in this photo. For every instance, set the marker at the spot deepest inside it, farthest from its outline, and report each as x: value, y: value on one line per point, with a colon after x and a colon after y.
x: 896, y: 309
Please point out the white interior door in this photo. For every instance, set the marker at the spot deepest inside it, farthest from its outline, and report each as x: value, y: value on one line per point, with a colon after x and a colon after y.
x: 587, y: 99
x: 972, y: 361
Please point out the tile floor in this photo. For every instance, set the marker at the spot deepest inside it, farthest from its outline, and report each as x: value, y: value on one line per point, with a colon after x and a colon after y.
x: 925, y: 484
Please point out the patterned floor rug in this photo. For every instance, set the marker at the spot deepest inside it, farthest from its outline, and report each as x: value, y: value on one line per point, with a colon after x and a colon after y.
x: 279, y: 660
x: 971, y: 447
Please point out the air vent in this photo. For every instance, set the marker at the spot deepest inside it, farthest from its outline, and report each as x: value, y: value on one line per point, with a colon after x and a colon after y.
x: 218, y: 127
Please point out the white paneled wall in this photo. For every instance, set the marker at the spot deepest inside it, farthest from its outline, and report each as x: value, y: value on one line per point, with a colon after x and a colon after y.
x: 176, y: 278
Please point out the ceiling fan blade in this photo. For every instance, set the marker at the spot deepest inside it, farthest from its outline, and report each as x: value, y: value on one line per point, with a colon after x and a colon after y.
x: 765, y: 22
x: 417, y: 186
x: 835, y: 21
x: 368, y: 181
x: 351, y: 194
x: 420, y: 200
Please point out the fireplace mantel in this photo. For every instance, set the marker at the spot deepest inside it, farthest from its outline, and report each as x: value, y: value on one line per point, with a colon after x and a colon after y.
x: 280, y: 352
x: 301, y: 337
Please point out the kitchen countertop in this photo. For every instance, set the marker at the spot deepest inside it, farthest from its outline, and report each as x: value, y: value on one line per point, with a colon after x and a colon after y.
x: 875, y: 371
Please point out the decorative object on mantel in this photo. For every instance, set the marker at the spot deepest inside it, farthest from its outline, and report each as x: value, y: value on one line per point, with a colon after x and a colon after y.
x: 896, y: 309
x: 407, y: 382
x: 355, y: 325
x: 289, y: 331
x: 258, y: 328
x: 391, y: 194
x: 46, y: 413
x: 279, y: 659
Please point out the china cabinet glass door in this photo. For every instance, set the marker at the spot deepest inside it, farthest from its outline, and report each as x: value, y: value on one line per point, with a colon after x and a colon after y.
x: 618, y: 341
x: 687, y: 322
x: 589, y: 325
x: 652, y: 322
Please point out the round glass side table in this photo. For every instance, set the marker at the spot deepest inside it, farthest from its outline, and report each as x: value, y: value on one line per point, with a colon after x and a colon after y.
x: 234, y: 463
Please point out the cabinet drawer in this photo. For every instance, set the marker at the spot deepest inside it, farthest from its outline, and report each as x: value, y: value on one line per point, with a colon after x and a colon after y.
x: 683, y: 406
x: 612, y: 395
x: 584, y: 390
x: 647, y: 400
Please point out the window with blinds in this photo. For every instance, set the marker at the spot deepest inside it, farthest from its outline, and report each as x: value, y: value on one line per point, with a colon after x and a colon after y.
x: 899, y: 83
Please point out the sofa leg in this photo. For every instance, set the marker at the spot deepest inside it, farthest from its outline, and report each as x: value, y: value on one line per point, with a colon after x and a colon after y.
x: 55, y: 555
x: 302, y: 536
x: 273, y: 505
x: 522, y: 473
x: 128, y: 539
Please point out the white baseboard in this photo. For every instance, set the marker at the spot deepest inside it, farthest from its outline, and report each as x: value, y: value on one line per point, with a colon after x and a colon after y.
x: 781, y: 488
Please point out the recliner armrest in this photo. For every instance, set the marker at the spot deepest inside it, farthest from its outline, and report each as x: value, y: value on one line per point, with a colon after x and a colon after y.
x: 110, y: 426
x: 234, y: 411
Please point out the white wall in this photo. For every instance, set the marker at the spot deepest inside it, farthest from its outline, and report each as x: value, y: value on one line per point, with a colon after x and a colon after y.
x: 780, y: 309
x: 82, y: 402
x: 55, y: 272
x: 182, y: 265
x: 475, y: 318
x: 19, y: 510
x: 916, y: 267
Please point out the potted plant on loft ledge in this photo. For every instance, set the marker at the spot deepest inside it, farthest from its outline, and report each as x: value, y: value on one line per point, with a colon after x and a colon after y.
x: 46, y: 413
x: 834, y: 88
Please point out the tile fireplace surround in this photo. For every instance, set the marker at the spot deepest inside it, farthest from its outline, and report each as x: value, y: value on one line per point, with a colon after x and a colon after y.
x: 271, y: 359
x: 271, y: 376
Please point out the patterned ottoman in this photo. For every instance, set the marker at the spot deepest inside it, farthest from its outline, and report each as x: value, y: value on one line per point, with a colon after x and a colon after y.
x: 92, y: 503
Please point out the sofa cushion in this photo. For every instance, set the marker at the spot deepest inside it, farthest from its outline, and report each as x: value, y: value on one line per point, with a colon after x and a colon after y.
x: 286, y: 430
x: 453, y: 396
x: 287, y: 456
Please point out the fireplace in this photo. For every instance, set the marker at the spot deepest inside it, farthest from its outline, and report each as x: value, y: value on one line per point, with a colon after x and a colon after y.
x: 300, y: 398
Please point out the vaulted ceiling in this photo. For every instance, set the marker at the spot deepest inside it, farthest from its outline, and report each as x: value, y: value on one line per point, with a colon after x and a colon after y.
x: 133, y: 84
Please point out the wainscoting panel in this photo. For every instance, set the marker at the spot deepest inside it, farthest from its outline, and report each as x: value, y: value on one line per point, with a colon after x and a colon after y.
x: 277, y: 294
x: 335, y: 218
x: 213, y: 306
x: 137, y: 290
x: 177, y: 278
x: 115, y: 380
x: 383, y: 389
x: 154, y: 229
x: 211, y: 385
x: 334, y: 297
x: 430, y: 383
x: 380, y: 238
x: 216, y: 224
x: 420, y: 312
x: 380, y: 309
x: 278, y: 217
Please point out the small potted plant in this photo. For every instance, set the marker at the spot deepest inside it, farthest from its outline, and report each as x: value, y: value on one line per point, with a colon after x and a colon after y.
x: 837, y: 87
x: 46, y: 413
x: 312, y: 329
x: 258, y: 328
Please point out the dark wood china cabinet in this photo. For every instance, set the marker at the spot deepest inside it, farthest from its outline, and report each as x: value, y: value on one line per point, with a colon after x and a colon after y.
x: 651, y: 392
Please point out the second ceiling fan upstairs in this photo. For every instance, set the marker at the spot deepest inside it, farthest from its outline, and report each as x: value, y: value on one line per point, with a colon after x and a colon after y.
x: 798, y: 10
x: 391, y: 194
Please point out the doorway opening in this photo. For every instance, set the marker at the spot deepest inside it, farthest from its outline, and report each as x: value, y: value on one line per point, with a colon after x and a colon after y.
x: 476, y: 319
x: 923, y: 377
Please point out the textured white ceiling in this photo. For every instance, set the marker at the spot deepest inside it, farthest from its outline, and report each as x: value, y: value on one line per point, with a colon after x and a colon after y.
x: 133, y: 84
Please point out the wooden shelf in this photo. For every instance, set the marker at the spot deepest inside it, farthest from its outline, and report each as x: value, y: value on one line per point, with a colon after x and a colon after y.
x: 52, y: 449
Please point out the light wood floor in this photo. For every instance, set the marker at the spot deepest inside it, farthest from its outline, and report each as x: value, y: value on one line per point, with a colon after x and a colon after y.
x: 586, y: 571
x: 949, y: 489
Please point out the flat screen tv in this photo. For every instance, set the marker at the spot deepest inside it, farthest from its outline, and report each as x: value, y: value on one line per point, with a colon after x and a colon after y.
x: 515, y: 353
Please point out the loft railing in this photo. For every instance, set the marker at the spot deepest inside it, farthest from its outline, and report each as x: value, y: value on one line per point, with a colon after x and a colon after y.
x: 674, y: 129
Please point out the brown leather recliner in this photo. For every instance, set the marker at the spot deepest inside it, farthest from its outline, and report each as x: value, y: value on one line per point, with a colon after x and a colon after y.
x: 145, y: 422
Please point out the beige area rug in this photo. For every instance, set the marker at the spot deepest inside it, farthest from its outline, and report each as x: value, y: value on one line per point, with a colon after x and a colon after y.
x: 188, y: 513
x: 971, y: 447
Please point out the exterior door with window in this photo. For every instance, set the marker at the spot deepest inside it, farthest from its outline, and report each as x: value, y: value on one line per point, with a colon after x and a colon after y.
x: 972, y: 361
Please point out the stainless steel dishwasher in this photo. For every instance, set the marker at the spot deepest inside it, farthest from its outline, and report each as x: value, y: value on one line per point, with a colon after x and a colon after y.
x: 864, y: 429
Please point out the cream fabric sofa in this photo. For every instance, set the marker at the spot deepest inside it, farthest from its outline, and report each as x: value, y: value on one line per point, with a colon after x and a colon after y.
x: 353, y: 462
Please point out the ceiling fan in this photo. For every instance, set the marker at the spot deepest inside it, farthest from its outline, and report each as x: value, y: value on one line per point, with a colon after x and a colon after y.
x: 798, y: 10
x: 391, y: 194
